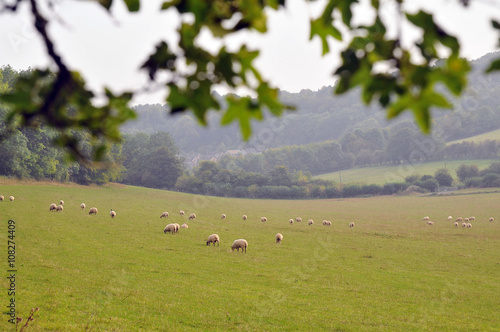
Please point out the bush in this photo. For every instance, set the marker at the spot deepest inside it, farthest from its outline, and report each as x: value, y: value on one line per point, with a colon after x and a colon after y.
x: 443, y: 177
x: 490, y: 180
x: 351, y: 191
x: 474, y: 182
x: 371, y: 189
x: 429, y: 184
x: 393, y: 188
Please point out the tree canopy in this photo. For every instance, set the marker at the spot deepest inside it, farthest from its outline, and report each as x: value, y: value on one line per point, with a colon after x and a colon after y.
x: 188, y: 71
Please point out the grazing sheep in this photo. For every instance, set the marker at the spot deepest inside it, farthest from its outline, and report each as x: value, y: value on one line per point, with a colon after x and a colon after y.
x: 327, y: 223
x: 430, y: 222
x: 223, y: 216
x: 298, y: 219
x: 2, y: 198
x: 426, y: 218
x: 192, y: 216
x: 290, y: 221
x: 59, y: 208
x: 82, y: 206
x: 263, y: 219
x: 112, y: 213
x: 164, y: 215
x: 464, y: 225
x: 450, y: 218
x: 184, y: 225
x: 472, y: 218
x: 279, y: 238
x: 466, y: 219
x: 214, y: 238
x: 11, y: 198
x: 244, y: 217
x: 310, y: 222
x: 93, y: 211
x: 61, y: 202
x: 170, y: 228
x: 469, y: 225
x: 491, y: 219
x: 52, y: 207
x: 459, y: 219
x: 351, y: 225
x: 177, y: 227
x: 456, y: 224
x: 240, y: 243
x: 181, y: 212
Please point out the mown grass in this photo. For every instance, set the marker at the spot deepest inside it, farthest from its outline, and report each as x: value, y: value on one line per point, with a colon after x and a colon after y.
x: 390, y: 272
x: 397, y: 173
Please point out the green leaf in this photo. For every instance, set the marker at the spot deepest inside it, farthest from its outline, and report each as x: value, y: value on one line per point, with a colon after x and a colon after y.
x: 105, y: 3
x: 495, y: 65
x: 132, y: 5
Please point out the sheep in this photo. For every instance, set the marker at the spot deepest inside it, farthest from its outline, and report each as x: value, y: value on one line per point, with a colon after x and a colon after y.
x: 164, y: 215
x: 82, y: 206
x: 61, y: 202
x: 310, y: 222
x: 240, y: 243
x: 426, y: 218
x: 184, y: 225
x: 279, y: 238
x: 181, y: 212
x: 2, y: 198
x: 464, y: 225
x: 11, y: 198
x: 327, y: 223
x: 450, y: 218
x: 430, y: 222
x: 112, y: 213
x: 263, y: 219
x: 459, y: 219
x: 59, y: 208
x: 491, y: 219
x: 351, y: 225
x: 456, y: 224
x: 298, y: 219
x: 290, y: 221
x: 469, y: 225
x: 177, y: 227
x: 192, y: 216
x: 244, y: 217
x: 466, y: 219
x: 52, y: 207
x: 223, y: 216
x: 170, y: 228
x: 93, y: 211
x: 472, y: 218
x: 214, y: 238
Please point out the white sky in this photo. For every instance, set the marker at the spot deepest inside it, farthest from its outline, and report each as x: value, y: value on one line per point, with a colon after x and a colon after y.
x: 108, y: 50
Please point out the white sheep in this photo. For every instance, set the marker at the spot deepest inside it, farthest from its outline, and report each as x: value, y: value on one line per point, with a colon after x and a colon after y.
x: 327, y: 223
x: 181, y: 212
x: 59, y: 208
x: 214, y: 238
x: 170, y: 228
x: 177, y: 227
x: 223, y: 216
x: 430, y: 222
x: 2, y: 198
x: 112, y: 213
x: 82, y: 206
x: 279, y: 238
x: 472, y: 218
x: 245, y: 217
x: 263, y: 219
x: 164, y: 215
x: 290, y: 221
x: 93, y: 211
x: 456, y: 224
x: 466, y: 219
x: 240, y: 243
x: 298, y: 219
x: 11, y: 198
x: 491, y: 219
x: 459, y: 219
x: 61, y: 202
x: 310, y: 222
x: 469, y: 225
x: 192, y: 216
x: 184, y: 225
x: 450, y: 218
x: 426, y: 218
x: 52, y: 207
x: 351, y: 225
x: 464, y: 225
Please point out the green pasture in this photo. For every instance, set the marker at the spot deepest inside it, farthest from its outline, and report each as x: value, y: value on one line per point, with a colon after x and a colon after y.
x: 391, y: 272
x: 491, y: 135
x: 397, y: 173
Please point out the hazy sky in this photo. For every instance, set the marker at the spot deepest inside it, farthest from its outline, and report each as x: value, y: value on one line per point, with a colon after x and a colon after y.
x: 108, y: 50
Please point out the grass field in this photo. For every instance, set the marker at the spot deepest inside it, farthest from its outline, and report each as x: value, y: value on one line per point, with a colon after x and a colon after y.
x: 491, y: 135
x: 391, y: 272
x: 398, y: 173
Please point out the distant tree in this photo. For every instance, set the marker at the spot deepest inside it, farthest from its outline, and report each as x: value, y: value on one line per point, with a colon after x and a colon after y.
x: 443, y: 177
x: 279, y: 176
x: 465, y: 172
x: 161, y: 169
